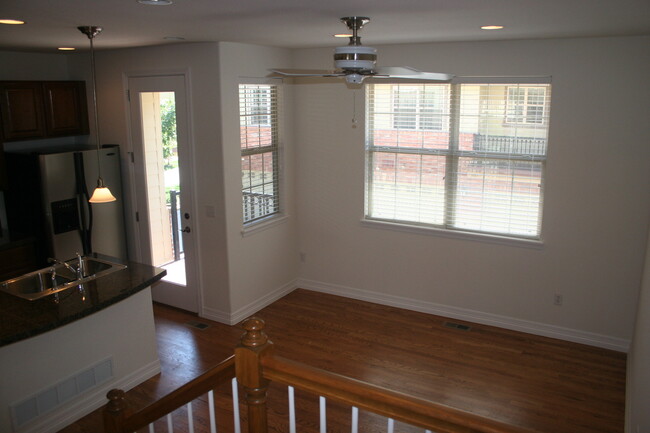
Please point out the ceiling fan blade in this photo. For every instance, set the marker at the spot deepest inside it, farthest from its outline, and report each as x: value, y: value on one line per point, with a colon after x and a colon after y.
x: 410, y: 73
x: 307, y: 73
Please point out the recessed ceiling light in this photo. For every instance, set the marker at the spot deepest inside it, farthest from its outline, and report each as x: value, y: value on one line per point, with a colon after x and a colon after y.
x: 11, y: 21
x: 493, y: 27
x: 343, y: 35
x: 155, y: 2
x: 66, y: 49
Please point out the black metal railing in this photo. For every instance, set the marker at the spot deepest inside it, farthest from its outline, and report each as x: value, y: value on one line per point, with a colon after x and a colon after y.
x: 509, y: 145
x: 175, y: 217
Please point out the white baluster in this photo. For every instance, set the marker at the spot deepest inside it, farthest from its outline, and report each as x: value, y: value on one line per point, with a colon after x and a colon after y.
x: 391, y: 425
x: 151, y: 430
x: 323, y: 415
x: 292, y: 410
x: 170, y: 424
x: 355, y: 419
x: 235, y: 406
x: 190, y: 417
x: 427, y: 431
x: 213, y: 418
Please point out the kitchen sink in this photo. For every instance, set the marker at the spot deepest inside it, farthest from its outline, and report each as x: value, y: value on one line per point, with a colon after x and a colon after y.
x: 53, y: 279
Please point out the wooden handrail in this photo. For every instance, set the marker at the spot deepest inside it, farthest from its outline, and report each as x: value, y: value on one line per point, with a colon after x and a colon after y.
x: 257, y: 364
x: 379, y: 400
x: 115, y: 420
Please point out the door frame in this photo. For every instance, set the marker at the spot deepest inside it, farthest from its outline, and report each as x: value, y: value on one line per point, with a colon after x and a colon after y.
x: 191, y: 244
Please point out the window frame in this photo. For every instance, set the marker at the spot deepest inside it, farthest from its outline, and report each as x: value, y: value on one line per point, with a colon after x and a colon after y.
x: 522, y: 120
x: 452, y: 157
x: 271, y: 119
x: 422, y: 116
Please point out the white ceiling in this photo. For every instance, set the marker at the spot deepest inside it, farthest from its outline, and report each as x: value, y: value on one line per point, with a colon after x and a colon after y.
x: 311, y: 23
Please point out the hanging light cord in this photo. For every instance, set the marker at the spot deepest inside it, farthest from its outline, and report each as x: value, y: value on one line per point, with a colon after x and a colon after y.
x: 94, y: 77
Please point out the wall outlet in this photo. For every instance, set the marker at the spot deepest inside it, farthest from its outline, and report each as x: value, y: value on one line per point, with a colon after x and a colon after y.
x: 557, y: 299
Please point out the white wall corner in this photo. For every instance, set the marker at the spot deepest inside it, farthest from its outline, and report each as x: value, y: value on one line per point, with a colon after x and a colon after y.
x: 250, y: 309
x: 535, y: 328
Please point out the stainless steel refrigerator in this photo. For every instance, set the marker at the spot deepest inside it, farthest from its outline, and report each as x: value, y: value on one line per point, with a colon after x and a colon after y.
x: 62, y: 182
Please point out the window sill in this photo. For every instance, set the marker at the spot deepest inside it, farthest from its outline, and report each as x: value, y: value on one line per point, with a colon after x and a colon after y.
x: 477, y: 237
x: 263, y: 224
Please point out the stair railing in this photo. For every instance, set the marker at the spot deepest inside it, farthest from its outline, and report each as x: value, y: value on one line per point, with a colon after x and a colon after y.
x: 257, y: 365
x: 119, y: 419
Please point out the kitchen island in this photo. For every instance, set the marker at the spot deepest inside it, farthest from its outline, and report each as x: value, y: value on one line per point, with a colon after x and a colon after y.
x: 60, y: 354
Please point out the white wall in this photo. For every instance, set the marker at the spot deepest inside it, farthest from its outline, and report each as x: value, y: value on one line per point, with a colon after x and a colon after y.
x: 200, y: 61
x: 230, y: 290
x: 596, y: 208
x: 638, y: 374
x: 34, y: 66
x: 124, y: 332
x: 262, y: 265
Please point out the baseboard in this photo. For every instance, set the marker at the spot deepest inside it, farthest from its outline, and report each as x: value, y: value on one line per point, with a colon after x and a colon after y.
x: 511, y: 323
x: 250, y: 309
x: 50, y: 423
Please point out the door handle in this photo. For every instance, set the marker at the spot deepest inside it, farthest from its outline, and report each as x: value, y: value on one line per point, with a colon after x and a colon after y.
x: 186, y: 230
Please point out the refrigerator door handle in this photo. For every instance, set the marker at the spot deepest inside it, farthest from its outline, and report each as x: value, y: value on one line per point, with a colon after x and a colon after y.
x: 85, y: 209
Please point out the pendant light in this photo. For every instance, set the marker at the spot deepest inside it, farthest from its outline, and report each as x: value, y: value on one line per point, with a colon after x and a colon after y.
x: 101, y: 194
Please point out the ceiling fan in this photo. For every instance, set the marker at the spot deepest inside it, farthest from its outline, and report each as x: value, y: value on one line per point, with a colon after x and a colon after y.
x: 355, y: 62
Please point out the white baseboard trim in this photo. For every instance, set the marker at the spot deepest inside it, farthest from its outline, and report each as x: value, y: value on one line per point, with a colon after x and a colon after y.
x: 536, y: 328
x: 250, y: 309
x: 57, y: 420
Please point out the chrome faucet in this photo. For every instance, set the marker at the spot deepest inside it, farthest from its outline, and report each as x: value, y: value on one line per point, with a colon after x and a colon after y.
x: 81, y: 266
x: 77, y: 272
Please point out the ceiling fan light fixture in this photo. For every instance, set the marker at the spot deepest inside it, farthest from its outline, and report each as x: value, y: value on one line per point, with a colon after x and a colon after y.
x: 357, y: 57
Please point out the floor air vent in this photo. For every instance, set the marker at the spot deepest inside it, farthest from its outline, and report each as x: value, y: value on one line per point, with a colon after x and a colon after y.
x: 457, y: 326
x: 197, y: 325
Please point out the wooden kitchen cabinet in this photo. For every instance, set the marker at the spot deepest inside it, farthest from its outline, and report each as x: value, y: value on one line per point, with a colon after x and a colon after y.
x: 42, y: 109
x: 66, y: 112
x: 21, y: 109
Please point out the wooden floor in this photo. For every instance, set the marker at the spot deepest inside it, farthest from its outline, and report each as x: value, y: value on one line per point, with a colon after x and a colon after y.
x: 543, y: 384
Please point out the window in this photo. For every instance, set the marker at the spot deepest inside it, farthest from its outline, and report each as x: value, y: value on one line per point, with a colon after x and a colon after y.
x: 454, y: 160
x: 258, y: 126
x: 419, y: 107
x: 526, y: 105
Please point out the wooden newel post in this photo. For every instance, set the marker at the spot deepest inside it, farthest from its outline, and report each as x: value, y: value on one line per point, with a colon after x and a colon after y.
x: 254, y: 346
x: 115, y: 411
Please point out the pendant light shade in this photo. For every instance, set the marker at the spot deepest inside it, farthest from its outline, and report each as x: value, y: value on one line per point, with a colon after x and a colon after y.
x: 101, y: 194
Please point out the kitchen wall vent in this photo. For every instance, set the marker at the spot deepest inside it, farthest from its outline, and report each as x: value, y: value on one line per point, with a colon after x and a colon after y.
x: 56, y: 395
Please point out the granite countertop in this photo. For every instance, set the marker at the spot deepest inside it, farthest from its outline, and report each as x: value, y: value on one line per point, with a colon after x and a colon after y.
x: 21, y: 318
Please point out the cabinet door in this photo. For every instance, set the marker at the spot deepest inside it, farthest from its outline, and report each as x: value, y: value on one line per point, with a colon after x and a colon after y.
x: 66, y: 111
x: 21, y: 109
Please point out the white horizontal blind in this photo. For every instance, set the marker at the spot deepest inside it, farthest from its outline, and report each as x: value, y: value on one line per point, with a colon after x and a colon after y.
x: 464, y: 157
x: 258, y: 125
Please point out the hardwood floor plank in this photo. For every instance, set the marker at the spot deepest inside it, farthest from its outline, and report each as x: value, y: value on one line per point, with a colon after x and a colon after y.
x: 540, y: 383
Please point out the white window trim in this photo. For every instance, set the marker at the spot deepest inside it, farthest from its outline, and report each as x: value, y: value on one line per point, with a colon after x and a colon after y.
x: 264, y: 224
x: 537, y: 244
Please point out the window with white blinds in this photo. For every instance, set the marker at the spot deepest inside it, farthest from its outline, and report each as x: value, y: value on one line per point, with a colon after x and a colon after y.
x: 258, y: 126
x: 466, y: 157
